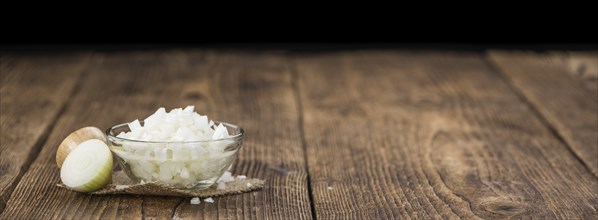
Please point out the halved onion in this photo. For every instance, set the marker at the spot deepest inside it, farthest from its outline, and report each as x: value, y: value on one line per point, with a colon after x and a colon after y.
x: 76, y: 138
x: 88, y: 167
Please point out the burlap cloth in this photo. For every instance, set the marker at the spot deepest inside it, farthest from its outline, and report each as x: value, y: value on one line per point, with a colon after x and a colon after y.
x: 121, y: 184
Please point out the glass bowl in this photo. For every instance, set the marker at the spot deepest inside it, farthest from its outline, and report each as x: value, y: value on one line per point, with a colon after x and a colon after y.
x: 192, y: 164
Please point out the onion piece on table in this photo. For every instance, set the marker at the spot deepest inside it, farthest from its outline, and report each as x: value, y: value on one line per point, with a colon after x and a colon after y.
x: 88, y: 167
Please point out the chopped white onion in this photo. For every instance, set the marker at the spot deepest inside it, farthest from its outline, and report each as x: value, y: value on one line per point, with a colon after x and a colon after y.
x: 176, y: 125
x: 177, y: 163
x: 226, y: 177
x: 135, y: 125
x: 221, y: 186
x: 195, y: 201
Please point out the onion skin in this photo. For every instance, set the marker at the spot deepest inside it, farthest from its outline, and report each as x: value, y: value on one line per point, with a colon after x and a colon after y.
x: 76, y: 138
x: 88, y: 167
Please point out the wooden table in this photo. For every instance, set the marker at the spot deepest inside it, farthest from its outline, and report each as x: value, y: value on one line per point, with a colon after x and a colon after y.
x: 349, y: 134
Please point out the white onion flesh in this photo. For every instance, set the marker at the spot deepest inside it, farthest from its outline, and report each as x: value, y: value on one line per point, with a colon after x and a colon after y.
x: 88, y: 167
x: 195, y: 201
x: 177, y: 164
x: 178, y: 125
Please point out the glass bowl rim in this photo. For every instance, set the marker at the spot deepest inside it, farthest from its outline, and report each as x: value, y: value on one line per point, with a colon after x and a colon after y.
x: 236, y: 136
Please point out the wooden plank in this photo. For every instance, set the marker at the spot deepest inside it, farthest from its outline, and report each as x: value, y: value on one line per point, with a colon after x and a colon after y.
x: 255, y: 90
x: 248, y: 90
x: 430, y: 135
x: 33, y: 90
x: 559, y: 96
x: 580, y: 65
x: 99, y: 102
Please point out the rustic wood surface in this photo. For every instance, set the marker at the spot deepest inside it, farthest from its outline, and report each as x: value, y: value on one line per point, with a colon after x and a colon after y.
x: 451, y: 140
x: 33, y: 93
x: 351, y: 135
x: 561, y: 96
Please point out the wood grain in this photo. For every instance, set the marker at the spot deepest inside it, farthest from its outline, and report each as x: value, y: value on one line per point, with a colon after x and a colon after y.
x: 255, y: 90
x: 33, y: 90
x: 430, y: 136
x: 561, y: 97
x: 421, y: 135
x: 580, y: 65
x: 251, y: 90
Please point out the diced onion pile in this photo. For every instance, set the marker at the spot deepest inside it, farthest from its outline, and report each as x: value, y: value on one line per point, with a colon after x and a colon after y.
x: 176, y: 162
x: 178, y: 125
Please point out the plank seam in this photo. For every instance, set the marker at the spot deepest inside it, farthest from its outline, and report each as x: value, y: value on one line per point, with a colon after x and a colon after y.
x: 300, y: 124
x: 535, y: 111
x: 142, y: 208
x: 41, y: 141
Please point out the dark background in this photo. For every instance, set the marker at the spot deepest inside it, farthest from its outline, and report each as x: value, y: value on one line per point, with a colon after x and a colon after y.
x: 296, y: 46
x: 513, y: 27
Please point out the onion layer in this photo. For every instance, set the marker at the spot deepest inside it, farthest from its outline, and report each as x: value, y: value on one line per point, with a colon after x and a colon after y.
x: 88, y: 167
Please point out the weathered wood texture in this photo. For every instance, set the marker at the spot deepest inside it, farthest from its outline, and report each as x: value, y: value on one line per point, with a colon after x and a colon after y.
x: 255, y: 91
x: 580, y: 65
x: 421, y: 135
x: 429, y: 135
x: 252, y: 90
x: 33, y: 90
x: 563, y: 89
